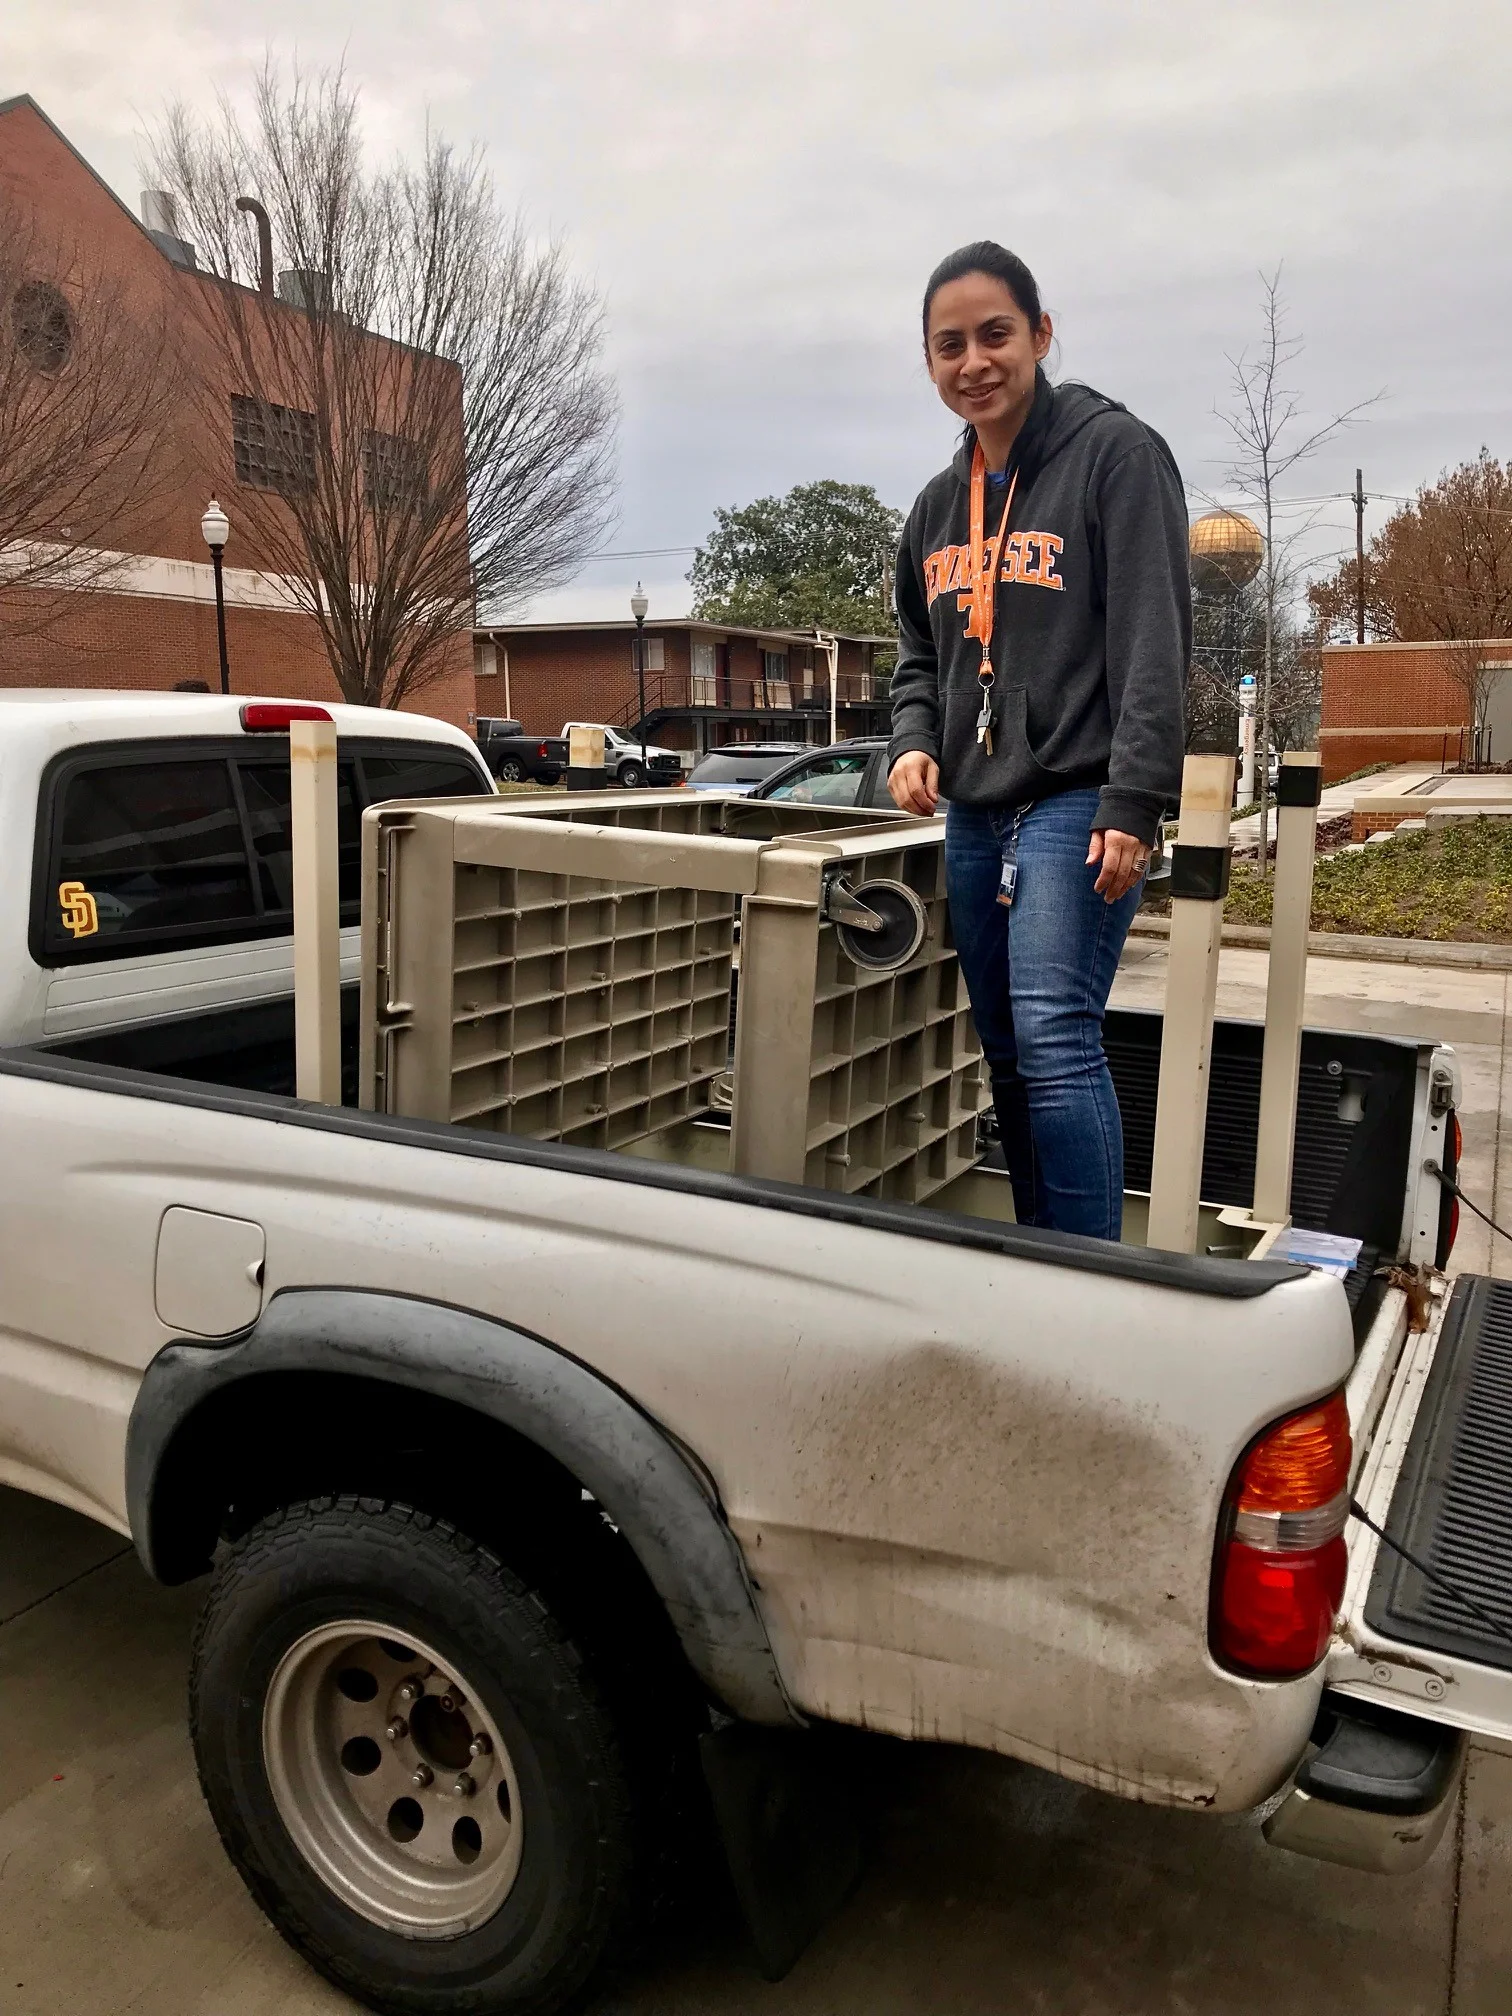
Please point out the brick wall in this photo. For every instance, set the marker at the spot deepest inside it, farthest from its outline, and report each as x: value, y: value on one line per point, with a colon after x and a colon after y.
x: 1389, y: 703
x: 569, y: 675
x: 1363, y: 824
x: 148, y: 643
x: 152, y: 641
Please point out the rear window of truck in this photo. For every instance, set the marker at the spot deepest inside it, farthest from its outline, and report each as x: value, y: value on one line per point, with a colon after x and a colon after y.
x: 170, y: 846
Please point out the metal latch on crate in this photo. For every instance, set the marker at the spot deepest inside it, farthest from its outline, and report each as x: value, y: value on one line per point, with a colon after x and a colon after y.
x: 880, y: 924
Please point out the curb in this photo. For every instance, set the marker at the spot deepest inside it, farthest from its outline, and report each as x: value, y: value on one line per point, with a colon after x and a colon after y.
x: 1336, y: 945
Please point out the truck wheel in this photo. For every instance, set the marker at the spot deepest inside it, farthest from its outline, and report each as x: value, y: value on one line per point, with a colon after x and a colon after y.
x: 511, y: 771
x: 408, y: 1763
x: 631, y: 776
x: 551, y: 777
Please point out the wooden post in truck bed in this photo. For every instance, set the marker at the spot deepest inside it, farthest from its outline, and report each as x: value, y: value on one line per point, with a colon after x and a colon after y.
x: 1199, y: 882
x: 317, y: 911
x: 1299, y: 786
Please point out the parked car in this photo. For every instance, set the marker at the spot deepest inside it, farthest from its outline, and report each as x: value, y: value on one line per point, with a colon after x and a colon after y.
x: 855, y: 773
x: 622, y: 757
x: 740, y: 766
x: 515, y: 757
x: 841, y: 773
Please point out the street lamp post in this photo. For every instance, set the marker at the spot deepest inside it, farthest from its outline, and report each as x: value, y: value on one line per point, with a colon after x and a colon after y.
x: 638, y: 607
x: 216, y: 527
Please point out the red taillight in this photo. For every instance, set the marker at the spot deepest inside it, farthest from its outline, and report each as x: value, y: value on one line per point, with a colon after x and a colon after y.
x: 541, y: 751
x: 272, y: 717
x: 1281, y: 1554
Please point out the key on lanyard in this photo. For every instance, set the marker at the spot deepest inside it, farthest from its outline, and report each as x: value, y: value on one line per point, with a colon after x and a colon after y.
x: 984, y: 719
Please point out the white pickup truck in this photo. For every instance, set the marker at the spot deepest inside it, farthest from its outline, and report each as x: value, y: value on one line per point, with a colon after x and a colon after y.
x: 526, y: 1473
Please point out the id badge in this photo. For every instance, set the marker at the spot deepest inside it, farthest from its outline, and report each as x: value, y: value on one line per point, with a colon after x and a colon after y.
x: 1007, y: 883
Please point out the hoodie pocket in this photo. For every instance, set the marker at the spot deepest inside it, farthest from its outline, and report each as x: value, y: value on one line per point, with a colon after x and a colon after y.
x: 1012, y: 737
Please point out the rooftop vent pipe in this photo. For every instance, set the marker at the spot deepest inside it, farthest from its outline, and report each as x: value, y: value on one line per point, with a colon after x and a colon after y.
x: 253, y: 208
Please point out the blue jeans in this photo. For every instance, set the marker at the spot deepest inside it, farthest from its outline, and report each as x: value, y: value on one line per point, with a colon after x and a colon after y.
x: 1039, y: 973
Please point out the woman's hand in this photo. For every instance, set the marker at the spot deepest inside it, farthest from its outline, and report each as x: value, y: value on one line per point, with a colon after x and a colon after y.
x: 1124, y: 859
x: 914, y: 782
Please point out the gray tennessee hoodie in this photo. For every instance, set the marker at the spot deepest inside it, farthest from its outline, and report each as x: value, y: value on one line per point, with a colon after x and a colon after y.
x: 1093, y: 633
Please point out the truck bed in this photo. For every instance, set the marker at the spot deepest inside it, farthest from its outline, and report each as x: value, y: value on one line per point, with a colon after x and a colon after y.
x: 976, y: 1469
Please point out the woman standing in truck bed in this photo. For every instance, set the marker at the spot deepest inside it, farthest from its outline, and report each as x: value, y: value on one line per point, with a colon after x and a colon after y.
x: 1045, y: 620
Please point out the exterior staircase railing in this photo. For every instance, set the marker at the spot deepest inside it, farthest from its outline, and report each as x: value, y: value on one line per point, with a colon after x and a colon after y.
x: 672, y: 692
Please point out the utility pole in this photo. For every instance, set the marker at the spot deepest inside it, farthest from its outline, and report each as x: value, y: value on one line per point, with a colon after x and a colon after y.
x: 1359, y: 504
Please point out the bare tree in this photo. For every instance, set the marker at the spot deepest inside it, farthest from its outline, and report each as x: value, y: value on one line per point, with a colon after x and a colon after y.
x: 1228, y: 643
x: 88, y: 383
x: 1296, y: 688
x: 421, y: 422
x: 1269, y: 441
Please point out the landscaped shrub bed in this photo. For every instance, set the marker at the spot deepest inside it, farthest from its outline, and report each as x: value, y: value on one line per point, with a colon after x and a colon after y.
x: 1454, y: 883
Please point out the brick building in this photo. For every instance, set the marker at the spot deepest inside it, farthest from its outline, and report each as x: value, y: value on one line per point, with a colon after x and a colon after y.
x: 1402, y: 703
x: 154, y: 626
x: 706, y: 683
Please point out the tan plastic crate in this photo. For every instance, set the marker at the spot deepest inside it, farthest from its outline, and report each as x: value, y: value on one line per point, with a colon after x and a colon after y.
x: 847, y: 1078
x: 561, y: 968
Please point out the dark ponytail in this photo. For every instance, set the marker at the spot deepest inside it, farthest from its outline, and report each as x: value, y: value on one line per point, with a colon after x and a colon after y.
x: 999, y: 264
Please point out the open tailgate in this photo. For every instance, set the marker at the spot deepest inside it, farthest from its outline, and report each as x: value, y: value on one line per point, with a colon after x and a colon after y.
x: 1433, y: 1634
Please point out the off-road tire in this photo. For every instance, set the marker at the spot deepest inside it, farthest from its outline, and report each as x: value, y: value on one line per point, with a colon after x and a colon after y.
x: 569, y: 1910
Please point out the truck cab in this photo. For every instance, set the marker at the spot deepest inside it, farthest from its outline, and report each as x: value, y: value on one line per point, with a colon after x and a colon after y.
x: 157, y: 829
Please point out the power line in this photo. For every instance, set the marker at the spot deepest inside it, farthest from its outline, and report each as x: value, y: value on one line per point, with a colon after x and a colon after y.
x: 639, y: 553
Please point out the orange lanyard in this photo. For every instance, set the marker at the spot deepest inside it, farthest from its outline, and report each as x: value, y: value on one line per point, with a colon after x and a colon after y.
x: 984, y: 572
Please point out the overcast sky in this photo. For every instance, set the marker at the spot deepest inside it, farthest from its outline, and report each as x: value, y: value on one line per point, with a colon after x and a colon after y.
x: 760, y: 188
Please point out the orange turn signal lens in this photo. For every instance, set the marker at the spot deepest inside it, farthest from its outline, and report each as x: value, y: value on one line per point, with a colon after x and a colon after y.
x: 1300, y: 1464
x: 1281, y: 1559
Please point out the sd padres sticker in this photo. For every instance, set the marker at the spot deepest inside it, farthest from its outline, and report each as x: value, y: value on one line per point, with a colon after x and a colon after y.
x: 81, y: 914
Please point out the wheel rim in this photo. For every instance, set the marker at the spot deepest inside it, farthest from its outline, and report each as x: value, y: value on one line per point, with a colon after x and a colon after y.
x: 392, y: 1779
x: 509, y: 773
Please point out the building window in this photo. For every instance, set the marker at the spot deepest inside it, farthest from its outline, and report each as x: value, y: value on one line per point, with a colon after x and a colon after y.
x: 656, y: 654
x: 394, y: 471
x: 775, y: 690
x: 274, y: 445
x: 705, y: 673
x: 42, y: 325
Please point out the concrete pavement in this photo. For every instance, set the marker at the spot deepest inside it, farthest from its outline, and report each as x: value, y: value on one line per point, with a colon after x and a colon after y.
x: 1339, y: 798
x: 992, y: 1889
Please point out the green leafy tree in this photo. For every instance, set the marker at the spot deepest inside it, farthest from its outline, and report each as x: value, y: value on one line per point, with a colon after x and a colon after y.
x: 822, y: 554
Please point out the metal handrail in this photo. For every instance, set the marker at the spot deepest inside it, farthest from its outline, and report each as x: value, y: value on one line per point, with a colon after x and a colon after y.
x: 676, y: 689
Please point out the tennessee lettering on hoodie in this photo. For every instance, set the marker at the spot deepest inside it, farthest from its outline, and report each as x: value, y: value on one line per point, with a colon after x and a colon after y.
x: 1092, y: 639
